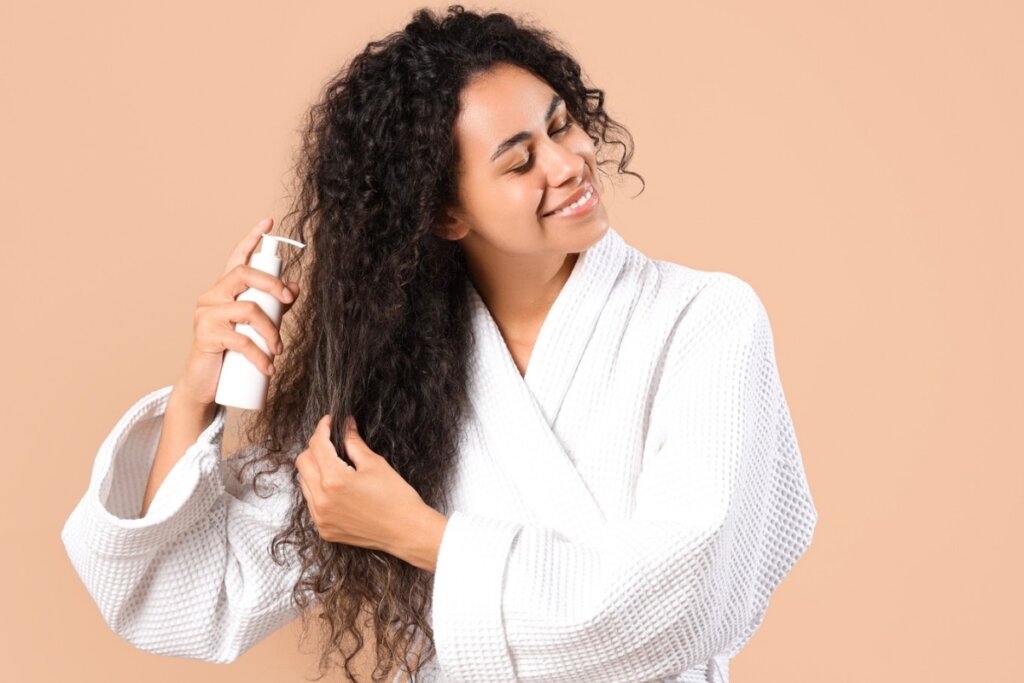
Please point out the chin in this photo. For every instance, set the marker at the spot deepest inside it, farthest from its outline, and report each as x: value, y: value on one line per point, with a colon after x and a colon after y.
x: 599, y: 224
x: 590, y: 234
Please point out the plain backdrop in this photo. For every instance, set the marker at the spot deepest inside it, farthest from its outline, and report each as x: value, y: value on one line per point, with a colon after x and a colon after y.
x: 861, y: 164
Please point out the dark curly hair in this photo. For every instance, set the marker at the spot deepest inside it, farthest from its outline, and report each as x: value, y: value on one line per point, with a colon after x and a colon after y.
x: 383, y: 329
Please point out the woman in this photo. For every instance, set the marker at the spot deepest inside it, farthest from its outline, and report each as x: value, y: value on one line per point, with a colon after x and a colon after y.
x: 567, y: 461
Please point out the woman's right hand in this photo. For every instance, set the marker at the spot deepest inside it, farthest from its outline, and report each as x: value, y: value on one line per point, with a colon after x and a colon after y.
x: 216, y: 313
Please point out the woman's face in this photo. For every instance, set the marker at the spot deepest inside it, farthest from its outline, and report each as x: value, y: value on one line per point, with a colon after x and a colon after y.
x: 508, y: 188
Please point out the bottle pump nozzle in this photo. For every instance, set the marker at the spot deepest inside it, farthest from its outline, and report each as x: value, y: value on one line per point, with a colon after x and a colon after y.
x: 270, y: 242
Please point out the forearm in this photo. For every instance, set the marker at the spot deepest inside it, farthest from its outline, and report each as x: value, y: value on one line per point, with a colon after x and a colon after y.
x: 420, y: 540
x: 183, y: 422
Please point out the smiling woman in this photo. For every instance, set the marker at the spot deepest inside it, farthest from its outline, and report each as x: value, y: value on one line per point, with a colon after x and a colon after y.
x: 519, y: 241
x: 566, y: 461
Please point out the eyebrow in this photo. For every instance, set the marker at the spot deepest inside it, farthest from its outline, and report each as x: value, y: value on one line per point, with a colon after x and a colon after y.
x: 524, y: 135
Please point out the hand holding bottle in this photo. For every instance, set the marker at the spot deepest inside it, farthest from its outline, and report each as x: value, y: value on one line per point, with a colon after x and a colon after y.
x: 217, y: 312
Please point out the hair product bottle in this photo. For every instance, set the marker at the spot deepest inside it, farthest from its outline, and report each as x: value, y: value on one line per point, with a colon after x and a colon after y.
x: 242, y: 384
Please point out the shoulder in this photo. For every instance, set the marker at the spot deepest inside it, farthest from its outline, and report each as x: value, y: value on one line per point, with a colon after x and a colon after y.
x: 716, y: 310
x: 716, y: 301
x: 688, y: 313
x: 734, y: 301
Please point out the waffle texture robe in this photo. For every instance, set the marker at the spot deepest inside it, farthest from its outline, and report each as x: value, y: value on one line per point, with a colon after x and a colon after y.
x: 621, y: 513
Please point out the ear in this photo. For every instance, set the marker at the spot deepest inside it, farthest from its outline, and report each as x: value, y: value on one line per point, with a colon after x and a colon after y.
x: 450, y: 225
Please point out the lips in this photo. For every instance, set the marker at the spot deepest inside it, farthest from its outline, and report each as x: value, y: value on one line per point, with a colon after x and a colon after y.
x: 573, y: 197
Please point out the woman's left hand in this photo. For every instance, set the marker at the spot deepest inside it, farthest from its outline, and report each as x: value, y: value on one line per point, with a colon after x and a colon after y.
x: 369, y: 506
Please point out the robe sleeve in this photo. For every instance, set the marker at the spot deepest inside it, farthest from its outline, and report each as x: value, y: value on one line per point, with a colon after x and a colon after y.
x: 723, y: 511
x: 194, y: 577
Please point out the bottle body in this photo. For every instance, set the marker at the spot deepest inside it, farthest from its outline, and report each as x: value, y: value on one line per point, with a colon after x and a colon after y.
x: 242, y: 384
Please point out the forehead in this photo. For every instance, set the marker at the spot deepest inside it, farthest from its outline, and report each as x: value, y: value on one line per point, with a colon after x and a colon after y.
x: 498, y: 104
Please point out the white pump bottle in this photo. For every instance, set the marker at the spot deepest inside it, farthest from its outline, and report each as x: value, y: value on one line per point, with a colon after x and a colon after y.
x: 242, y: 384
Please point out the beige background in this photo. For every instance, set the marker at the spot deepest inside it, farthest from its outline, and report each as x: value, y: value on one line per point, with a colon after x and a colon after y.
x: 861, y: 164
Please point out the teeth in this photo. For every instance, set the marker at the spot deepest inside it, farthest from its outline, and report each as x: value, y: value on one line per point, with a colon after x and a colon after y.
x: 576, y: 204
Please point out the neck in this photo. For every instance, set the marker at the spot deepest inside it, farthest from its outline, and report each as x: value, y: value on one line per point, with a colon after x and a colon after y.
x: 519, y: 291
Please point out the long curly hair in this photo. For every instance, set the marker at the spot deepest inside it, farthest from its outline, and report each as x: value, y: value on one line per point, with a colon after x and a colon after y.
x: 382, y: 331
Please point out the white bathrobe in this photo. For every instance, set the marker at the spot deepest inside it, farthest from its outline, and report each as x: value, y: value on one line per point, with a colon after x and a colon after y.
x: 622, y: 513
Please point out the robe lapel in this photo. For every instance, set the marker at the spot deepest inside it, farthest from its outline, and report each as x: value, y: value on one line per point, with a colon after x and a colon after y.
x: 516, y: 414
x: 571, y: 322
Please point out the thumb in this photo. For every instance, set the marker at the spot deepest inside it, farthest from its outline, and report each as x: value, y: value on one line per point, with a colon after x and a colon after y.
x: 355, y: 447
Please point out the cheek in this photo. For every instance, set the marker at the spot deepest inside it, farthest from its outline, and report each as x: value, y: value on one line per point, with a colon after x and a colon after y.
x: 586, y: 149
x: 500, y: 198
x: 581, y: 142
x: 526, y: 197
x: 477, y: 196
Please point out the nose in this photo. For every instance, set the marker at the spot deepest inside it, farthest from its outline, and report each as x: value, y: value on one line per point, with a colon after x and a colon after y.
x: 564, y: 164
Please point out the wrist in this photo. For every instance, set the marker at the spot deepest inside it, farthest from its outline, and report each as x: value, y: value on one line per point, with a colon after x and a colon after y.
x: 421, y: 539
x: 184, y: 401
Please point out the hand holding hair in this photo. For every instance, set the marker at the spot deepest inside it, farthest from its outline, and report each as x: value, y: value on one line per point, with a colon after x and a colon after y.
x: 369, y: 505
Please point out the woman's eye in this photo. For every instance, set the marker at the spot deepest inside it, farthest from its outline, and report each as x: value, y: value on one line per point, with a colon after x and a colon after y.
x: 529, y: 159
x: 525, y: 167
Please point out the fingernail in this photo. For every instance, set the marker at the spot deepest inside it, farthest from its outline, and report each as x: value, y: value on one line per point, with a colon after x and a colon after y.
x: 265, y: 222
x: 286, y: 295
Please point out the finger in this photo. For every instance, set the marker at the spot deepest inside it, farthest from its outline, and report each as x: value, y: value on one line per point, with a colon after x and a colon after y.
x: 236, y: 341
x: 243, y: 250
x: 293, y: 287
x: 242, y: 277
x: 308, y: 467
x: 215, y: 334
x: 249, y: 314
x: 355, y: 447
x: 307, y: 493
x: 322, y: 446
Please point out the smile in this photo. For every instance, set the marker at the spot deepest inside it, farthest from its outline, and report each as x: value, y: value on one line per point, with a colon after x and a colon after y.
x: 579, y: 207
